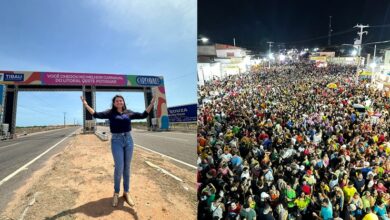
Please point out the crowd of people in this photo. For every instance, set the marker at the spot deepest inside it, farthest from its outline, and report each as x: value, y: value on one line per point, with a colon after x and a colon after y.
x: 293, y: 142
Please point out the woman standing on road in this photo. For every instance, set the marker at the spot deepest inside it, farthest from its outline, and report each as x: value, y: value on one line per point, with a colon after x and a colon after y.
x: 121, y: 141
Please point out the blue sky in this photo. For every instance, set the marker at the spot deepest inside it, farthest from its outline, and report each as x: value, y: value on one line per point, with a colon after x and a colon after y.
x: 98, y: 36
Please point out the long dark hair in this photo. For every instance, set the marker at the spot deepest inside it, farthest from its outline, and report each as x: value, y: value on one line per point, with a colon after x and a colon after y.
x: 113, y: 108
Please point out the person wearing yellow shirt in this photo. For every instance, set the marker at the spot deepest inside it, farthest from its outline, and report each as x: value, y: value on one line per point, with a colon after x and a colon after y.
x: 375, y: 138
x: 368, y: 200
x: 302, y: 202
x: 379, y: 170
x: 199, y: 149
x: 370, y: 215
x: 309, y: 178
x: 325, y: 188
x: 252, y: 203
x: 349, y: 190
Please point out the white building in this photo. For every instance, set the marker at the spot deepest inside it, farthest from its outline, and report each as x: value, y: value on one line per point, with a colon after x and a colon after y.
x: 221, y: 60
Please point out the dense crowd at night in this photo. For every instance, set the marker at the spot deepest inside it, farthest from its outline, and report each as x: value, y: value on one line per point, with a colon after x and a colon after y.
x: 293, y: 142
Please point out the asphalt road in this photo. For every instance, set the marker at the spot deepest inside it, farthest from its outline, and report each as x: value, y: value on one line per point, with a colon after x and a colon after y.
x: 178, y: 145
x: 16, y: 153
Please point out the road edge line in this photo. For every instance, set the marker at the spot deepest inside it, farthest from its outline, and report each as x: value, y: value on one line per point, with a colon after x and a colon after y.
x: 33, y: 160
x: 163, y: 155
x: 163, y: 171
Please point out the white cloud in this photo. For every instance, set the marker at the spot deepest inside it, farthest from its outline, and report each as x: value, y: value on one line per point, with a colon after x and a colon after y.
x: 150, y: 22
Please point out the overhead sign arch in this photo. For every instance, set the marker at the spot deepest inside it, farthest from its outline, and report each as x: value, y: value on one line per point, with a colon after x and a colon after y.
x: 89, y: 84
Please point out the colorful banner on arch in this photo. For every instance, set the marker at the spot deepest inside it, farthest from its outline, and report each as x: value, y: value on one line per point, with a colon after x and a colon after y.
x: 93, y: 79
x: 63, y: 79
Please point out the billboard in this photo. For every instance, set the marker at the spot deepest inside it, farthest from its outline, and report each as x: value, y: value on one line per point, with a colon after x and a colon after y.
x: 183, y: 113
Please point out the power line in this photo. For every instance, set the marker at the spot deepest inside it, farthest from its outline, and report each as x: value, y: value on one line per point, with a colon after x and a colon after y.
x: 378, y: 42
x: 379, y: 26
x: 256, y: 46
x: 336, y: 33
x: 322, y: 37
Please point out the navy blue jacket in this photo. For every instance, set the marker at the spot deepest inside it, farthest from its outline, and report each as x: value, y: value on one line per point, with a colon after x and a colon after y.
x: 120, y: 122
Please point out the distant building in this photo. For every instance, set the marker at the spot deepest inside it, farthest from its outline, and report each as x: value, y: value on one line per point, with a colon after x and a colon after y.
x: 221, y: 60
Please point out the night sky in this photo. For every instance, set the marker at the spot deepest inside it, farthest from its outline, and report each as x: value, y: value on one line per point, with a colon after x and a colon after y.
x: 293, y: 22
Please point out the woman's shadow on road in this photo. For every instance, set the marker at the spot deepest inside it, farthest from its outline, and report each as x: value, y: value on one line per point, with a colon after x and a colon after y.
x: 96, y: 209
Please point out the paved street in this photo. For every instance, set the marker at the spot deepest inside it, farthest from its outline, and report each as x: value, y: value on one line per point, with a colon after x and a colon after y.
x: 14, y: 154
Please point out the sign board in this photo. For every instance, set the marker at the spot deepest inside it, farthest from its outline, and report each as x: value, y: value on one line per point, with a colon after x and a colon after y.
x: 328, y: 54
x: 11, y: 77
x: 183, y: 113
x: 2, y: 97
x: 66, y: 79
x: 365, y: 73
x: 148, y: 80
x: 2, y: 94
x: 317, y: 58
x: 344, y: 60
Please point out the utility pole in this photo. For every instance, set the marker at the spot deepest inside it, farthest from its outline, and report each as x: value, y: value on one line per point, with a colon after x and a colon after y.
x: 64, y: 118
x: 270, y: 45
x: 330, y: 30
x: 234, y: 41
x: 269, y: 60
x: 360, y: 33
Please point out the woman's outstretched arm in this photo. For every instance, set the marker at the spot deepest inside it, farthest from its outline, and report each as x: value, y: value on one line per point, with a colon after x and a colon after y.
x: 103, y: 115
x: 150, y: 107
x: 85, y: 103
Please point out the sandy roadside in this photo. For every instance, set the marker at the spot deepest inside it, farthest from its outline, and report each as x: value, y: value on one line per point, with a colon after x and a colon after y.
x: 78, y: 184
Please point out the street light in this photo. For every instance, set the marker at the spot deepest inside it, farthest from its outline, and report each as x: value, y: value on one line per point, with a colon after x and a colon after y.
x: 203, y: 40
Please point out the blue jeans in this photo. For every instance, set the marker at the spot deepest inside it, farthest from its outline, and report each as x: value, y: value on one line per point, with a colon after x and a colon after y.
x: 122, y: 150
